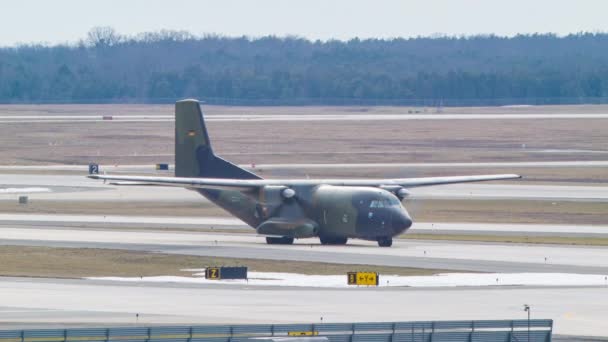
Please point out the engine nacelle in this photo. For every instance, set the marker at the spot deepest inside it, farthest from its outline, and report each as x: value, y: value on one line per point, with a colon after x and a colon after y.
x: 273, y: 194
x: 402, y: 193
x: 301, y: 228
x: 397, y: 190
x: 288, y: 193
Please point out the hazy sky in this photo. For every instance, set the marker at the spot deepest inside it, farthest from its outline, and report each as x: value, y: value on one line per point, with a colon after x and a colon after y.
x: 68, y: 20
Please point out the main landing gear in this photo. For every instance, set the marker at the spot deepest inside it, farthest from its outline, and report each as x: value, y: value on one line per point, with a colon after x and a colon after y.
x: 284, y: 240
x: 385, y: 241
x: 333, y: 240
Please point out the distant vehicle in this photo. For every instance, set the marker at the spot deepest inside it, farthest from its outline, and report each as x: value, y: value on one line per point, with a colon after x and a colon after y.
x: 286, y: 209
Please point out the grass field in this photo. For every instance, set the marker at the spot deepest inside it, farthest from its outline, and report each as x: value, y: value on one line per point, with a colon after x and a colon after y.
x: 303, y: 141
x: 22, y: 261
x: 509, y: 211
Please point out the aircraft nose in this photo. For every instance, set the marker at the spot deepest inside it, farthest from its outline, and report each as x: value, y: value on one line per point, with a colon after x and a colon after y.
x: 401, y: 221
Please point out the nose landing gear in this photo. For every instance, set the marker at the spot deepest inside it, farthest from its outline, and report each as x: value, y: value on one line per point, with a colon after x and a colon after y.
x: 385, y: 241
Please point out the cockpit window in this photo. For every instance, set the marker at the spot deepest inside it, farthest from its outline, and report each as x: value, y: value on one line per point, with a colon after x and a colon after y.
x: 382, y: 203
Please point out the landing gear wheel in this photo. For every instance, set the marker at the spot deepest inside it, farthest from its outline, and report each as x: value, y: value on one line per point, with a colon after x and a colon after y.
x: 285, y: 240
x: 333, y: 240
x: 385, y: 241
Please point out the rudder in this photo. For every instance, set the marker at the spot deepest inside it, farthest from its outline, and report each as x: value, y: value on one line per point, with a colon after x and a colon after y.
x: 194, y: 156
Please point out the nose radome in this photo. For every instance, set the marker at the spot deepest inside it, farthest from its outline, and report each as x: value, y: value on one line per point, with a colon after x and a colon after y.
x: 402, y: 221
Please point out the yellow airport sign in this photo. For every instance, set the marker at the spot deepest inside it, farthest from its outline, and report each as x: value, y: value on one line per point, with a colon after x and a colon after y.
x: 212, y: 273
x: 363, y: 278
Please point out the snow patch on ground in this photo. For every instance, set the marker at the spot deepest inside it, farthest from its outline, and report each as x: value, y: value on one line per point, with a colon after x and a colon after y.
x: 22, y: 190
x: 438, y: 280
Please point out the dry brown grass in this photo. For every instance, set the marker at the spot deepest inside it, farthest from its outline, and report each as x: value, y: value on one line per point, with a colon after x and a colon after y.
x: 483, y: 211
x: 25, y: 261
x: 311, y: 141
x: 509, y: 211
x: 151, y: 208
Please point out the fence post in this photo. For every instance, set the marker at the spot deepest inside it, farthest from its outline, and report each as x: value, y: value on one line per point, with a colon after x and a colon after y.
x: 472, y: 332
x: 412, y: 332
x: 191, y: 337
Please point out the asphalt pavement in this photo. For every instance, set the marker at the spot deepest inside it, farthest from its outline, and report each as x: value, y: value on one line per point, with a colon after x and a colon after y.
x: 575, y: 310
x: 443, y: 255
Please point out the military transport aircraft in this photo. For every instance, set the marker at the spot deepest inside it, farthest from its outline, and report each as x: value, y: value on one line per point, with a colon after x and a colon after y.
x: 283, y: 209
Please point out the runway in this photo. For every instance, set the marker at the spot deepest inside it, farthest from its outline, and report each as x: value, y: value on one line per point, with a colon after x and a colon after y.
x: 111, y: 119
x: 84, y: 302
x: 463, y: 256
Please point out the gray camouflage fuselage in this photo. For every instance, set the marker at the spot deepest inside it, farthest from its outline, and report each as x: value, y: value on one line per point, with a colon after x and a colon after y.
x: 322, y: 210
x: 331, y: 212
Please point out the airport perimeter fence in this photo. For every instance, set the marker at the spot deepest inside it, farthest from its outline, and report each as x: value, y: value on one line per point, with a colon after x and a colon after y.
x: 432, y: 331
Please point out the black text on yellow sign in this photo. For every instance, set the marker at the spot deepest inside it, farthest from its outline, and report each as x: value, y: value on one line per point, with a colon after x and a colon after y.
x: 212, y: 273
x: 363, y: 278
x: 303, y: 333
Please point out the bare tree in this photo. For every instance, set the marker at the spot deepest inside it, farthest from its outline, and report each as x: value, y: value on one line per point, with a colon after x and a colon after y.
x: 103, y: 36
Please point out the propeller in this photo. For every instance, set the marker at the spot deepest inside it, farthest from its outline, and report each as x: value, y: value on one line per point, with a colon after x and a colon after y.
x: 279, y: 201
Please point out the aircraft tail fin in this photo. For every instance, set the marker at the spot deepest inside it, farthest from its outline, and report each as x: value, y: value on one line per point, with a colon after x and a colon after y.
x: 194, y: 156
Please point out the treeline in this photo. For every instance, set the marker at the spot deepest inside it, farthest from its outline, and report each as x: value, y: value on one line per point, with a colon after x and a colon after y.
x: 166, y: 65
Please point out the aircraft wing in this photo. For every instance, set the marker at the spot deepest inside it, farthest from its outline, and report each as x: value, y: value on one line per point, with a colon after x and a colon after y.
x: 248, y: 184
x: 429, y: 181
